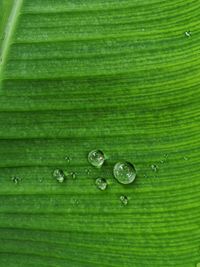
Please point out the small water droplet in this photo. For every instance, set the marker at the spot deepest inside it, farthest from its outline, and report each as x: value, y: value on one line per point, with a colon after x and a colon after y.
x: 74, y: 201
x: 73, y: 174
x: 165, y: 155
x: 124, y: 200
x: 145, y: 176
x: 40, y: 180
x: 185, y: 158
x: 124, y: 172
x: 154, y: 167
x: 59, y: 175
x: 16, y: 179
x: 67, y: 158
x: 88, y: 171
x: 101, y: 183
x: 162, y: 161
x: 188, y: 33
x: 96, y: 158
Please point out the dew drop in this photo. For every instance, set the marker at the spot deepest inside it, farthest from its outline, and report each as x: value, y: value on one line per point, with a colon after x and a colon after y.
x: 124, y: 172
x: 188, y: 33
x: 101, y: 183
x: 74, y: 201
x: 59, y: 175
x: 88, y: 171
x: 96, y: 158
x: 16, y: 179
x: 185, y: 158
x: 124, y: 200
x: 73, y: 174
x: 154, y: 167
x: 67, y: 158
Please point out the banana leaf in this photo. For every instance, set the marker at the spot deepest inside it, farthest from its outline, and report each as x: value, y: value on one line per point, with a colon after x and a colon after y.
x: 120, y: 76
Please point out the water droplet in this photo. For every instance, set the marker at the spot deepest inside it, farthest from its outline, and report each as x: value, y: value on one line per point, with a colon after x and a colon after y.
x: 73, y: 174
x: 124, y: 200
x: 88, y: 171
x: 165, y: 155
x: 188, y: 33
x: 59, y: 175
x: 185, y: 158
x: 16, y: 179
x: 124, y: 172
x: 74, y: 201
x: 96, y: 158
x: 67, y: 158
x: 101, y: 183
x: 162, y: 161
x: 154, y: 167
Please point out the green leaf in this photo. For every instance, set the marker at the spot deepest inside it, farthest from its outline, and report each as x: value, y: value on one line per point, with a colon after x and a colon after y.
x: 121, y: 76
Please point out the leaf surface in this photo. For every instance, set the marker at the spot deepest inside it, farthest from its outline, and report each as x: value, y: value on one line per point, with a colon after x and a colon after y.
x: 118, y: 75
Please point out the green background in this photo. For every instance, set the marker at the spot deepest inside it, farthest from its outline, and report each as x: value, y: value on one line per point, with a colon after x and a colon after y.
x: 115, y: 75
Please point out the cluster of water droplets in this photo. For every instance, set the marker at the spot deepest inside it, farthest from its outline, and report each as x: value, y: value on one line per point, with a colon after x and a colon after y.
x: 124, y: 200
x: 123, y: 171
x: 61, y: 175
x: 97, y: 158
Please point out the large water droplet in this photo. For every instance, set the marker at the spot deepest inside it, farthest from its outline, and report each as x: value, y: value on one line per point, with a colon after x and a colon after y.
x: 96, y: 158
x: 101, y: 183
x: 59, y: 175
x: 124, y: 200
x: 124, y: 172
x: 16, y: 179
